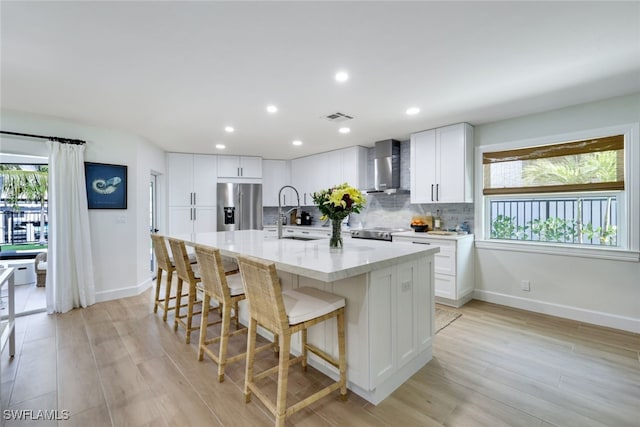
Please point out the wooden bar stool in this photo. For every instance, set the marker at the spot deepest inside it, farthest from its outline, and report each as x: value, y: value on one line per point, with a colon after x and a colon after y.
x: 189, y: 275
x: 227, y: 289
x: 165, y: 264
x: 286, y: 313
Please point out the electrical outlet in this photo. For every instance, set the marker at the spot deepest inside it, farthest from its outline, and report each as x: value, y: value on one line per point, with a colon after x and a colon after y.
x: 525, y: 285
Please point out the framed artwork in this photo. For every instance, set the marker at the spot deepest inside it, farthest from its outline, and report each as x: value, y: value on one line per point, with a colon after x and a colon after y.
x: 106, y: 186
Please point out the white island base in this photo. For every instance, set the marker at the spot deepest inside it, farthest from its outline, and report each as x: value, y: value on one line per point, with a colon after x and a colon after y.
x: 390, y: 302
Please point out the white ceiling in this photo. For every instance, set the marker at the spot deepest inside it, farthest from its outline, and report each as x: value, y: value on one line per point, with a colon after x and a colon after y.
x: 177, y: 73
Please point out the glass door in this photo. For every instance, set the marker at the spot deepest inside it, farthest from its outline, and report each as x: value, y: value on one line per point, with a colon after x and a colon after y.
x: 153, y: 218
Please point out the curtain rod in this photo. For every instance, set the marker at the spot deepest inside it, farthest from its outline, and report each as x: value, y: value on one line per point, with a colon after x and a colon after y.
x: 50, y: 138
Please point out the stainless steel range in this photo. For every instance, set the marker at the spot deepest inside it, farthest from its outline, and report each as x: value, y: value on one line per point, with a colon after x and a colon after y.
x: 376, y: 233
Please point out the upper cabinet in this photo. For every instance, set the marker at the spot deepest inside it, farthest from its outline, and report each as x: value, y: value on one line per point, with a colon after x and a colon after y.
x: 313, y: 173
x: 275, y: 175
x: 239, y: 167
x: 192, y: 179
x: 354, y: 166
x: 442, y: 165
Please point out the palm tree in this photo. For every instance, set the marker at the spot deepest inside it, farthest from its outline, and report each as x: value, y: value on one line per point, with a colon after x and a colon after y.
x: 592, y: 167
x: 20, y: 184
x: 578, y: 169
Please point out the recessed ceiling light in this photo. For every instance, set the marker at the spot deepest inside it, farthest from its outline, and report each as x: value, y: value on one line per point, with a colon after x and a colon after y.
x: 342, y: 76
x: 344, y: 130
x: 221, y: 146
x: 272, y: 109
x: 412, y: 111
x: 229, y: 129
x: 297, y: 142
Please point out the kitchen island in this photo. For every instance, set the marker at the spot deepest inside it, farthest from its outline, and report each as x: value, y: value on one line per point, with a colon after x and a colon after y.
x: 389, y: 293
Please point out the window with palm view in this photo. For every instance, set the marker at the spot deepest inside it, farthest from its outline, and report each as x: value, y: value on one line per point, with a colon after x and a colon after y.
x: 23, y: 209
x: 560, y: 193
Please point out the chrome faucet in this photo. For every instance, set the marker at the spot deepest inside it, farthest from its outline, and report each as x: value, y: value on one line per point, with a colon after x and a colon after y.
x: 281, y: 215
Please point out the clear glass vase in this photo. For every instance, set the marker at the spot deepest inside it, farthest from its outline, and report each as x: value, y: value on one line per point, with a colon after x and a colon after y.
x: 336, y: 235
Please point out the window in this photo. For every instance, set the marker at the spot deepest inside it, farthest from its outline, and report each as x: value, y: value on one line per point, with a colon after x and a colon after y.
x: 562, y: 192
x: 23, y: 206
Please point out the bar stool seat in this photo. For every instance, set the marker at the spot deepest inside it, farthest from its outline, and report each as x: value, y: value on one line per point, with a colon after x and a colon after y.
x: 285, y: 313
x: 236, y: 287
x: 304, y: 304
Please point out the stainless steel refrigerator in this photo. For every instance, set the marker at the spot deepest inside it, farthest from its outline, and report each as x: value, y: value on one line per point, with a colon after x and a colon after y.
x: 239, y: 206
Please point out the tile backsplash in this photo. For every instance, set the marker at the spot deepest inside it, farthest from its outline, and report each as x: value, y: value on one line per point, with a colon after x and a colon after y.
x: 384, y: 210
x: 395, y: 210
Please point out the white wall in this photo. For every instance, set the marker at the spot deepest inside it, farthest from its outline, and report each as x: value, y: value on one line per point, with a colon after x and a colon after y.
x: 119, y: 238
x: 598, y: 291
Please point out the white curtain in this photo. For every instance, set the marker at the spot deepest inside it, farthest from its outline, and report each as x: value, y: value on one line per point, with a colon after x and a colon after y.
x: 70, y: 282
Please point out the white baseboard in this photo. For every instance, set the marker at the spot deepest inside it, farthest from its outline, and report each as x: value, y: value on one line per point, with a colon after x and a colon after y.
x: 629, y: 324
x: 129, y: 291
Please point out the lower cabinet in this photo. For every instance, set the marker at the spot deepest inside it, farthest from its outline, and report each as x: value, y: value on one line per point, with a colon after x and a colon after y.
x: 453, y: 265
x: 389, y: 325
x: 186, y: 220
x: 400, y: 318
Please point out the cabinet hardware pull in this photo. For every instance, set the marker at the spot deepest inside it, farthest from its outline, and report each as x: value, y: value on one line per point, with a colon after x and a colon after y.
x: 437, y: 192
x: 190, y: 214
x: 421, y: 243
x: 194, y: 198
x: 432, y: 192
x: 241, y: 171
x: 194, y: 214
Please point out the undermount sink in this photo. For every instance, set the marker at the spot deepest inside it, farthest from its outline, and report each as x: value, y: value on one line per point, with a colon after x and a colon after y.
x: 300, y: 238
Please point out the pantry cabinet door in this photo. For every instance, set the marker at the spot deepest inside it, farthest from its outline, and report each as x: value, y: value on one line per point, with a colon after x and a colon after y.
x: 451, y: 167
x: 423, y: 167
x: 205, y: 179
x: 180, y: 168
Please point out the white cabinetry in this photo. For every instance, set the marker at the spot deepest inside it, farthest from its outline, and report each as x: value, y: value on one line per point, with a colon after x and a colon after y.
x: 354, y: 166
x: 239, y: 167
x: 192, y: 184
x: 313, y: 173
x: 442, y: 165
x: 389, y: 322
x: 402, y: 323
x: 275, y: 175
x: 453, y: 265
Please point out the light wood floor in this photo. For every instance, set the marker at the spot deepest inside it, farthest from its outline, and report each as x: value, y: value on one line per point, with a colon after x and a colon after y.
x: 118, y: 364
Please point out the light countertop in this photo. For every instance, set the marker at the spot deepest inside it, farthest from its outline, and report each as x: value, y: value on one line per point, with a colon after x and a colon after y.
x: 416, y: 235
x: 314, y: 258
x: 300, y: 227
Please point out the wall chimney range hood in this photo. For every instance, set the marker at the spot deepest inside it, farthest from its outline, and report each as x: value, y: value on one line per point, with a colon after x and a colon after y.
x: 386, y: 168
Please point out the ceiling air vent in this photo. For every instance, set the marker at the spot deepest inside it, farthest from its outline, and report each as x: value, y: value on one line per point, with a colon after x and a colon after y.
x: 338, y: 117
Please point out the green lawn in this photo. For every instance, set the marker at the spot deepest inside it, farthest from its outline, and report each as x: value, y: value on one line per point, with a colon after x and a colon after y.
x: 22, y: 247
